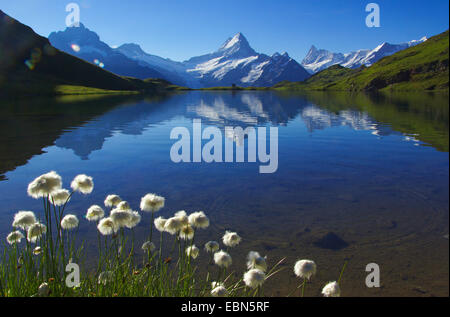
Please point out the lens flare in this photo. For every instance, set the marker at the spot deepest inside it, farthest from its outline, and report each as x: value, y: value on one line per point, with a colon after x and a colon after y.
x: 75, y: 48
x: 98, y: 63
x: 29, y: 64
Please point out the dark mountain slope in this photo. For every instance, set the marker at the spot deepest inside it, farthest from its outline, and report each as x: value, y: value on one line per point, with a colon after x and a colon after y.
x: 30, y: 65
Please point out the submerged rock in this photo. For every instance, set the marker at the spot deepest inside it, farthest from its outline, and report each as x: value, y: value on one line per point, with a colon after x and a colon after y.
x: 268, y: 246
x: 331, y: 241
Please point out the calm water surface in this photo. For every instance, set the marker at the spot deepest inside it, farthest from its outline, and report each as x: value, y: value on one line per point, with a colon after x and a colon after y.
x: 359, y: 178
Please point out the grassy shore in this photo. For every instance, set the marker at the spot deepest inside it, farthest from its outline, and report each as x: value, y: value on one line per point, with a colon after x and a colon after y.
x: 36, y: 88
x: 53, y: 262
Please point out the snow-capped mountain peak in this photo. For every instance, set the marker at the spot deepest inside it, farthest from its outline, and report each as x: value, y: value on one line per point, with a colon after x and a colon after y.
x: 237, y: 45
x: 236, y: 39
x: 312, y: 55
x: 319, y: 59
x: 237, y: 63
x: 415, y: 42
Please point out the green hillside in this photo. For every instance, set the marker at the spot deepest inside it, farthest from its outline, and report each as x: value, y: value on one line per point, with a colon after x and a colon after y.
x: 29, y: 65
x: 422, y: 67
x: 320, y: 81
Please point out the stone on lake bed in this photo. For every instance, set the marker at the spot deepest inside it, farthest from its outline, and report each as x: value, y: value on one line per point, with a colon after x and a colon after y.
x: 331, y: 241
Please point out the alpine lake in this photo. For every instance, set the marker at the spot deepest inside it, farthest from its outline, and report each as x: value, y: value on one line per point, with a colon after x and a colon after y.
x: 360, y: 178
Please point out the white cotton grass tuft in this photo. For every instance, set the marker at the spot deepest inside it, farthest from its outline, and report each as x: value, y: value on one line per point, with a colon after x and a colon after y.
x: 112, y: 201
x: 43, y: 290
x: 106, y: 226
x: 83, y: 184
x: 160, y: 222
x: 60, y: 196
x: 187, y: 232
x: 69, y: 222
x: 135, y: 219
x: 95, y: 213
x: 15, y: 237
x: 231, y: 239
x: 148, y: 246
x: 37, y: 250
x: 182, y: 217
x: 192, y: 251
x: 105, y: 277
x: 256, y: 261
x: 212, y: 246
x: 120, y: 217
x: 35, y: 231
x: 254, y: 278
x: 44, y: 185
x: 24, y: 219
x: 332, y: 289
x: 218, y: 289
x: 222, y: 259
x: 305, y: 269
x: 173, y: 225
x: 152, y: 203
x: 123, y: 205
x: 198, y: 220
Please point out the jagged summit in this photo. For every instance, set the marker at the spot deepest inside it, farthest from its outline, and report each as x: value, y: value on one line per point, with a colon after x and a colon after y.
x: 237, y: 39
x: 282, y: 55
x: 78, y: 35
x: 132, y: 47
x: 313, y: 48
x: 238, y: 44
x: 81, y: 28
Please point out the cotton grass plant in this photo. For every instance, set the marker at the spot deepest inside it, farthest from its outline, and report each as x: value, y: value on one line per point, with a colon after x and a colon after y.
x: 39, y: 247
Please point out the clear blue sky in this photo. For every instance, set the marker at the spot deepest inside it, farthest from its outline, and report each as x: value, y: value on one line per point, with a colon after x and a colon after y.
x: 180, y: 29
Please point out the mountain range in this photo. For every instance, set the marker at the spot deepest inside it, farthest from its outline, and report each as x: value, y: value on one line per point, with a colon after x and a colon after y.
x: 235, y: 62
x: 31, y: 65
x: 419, y: 67
x: 320, y: 59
